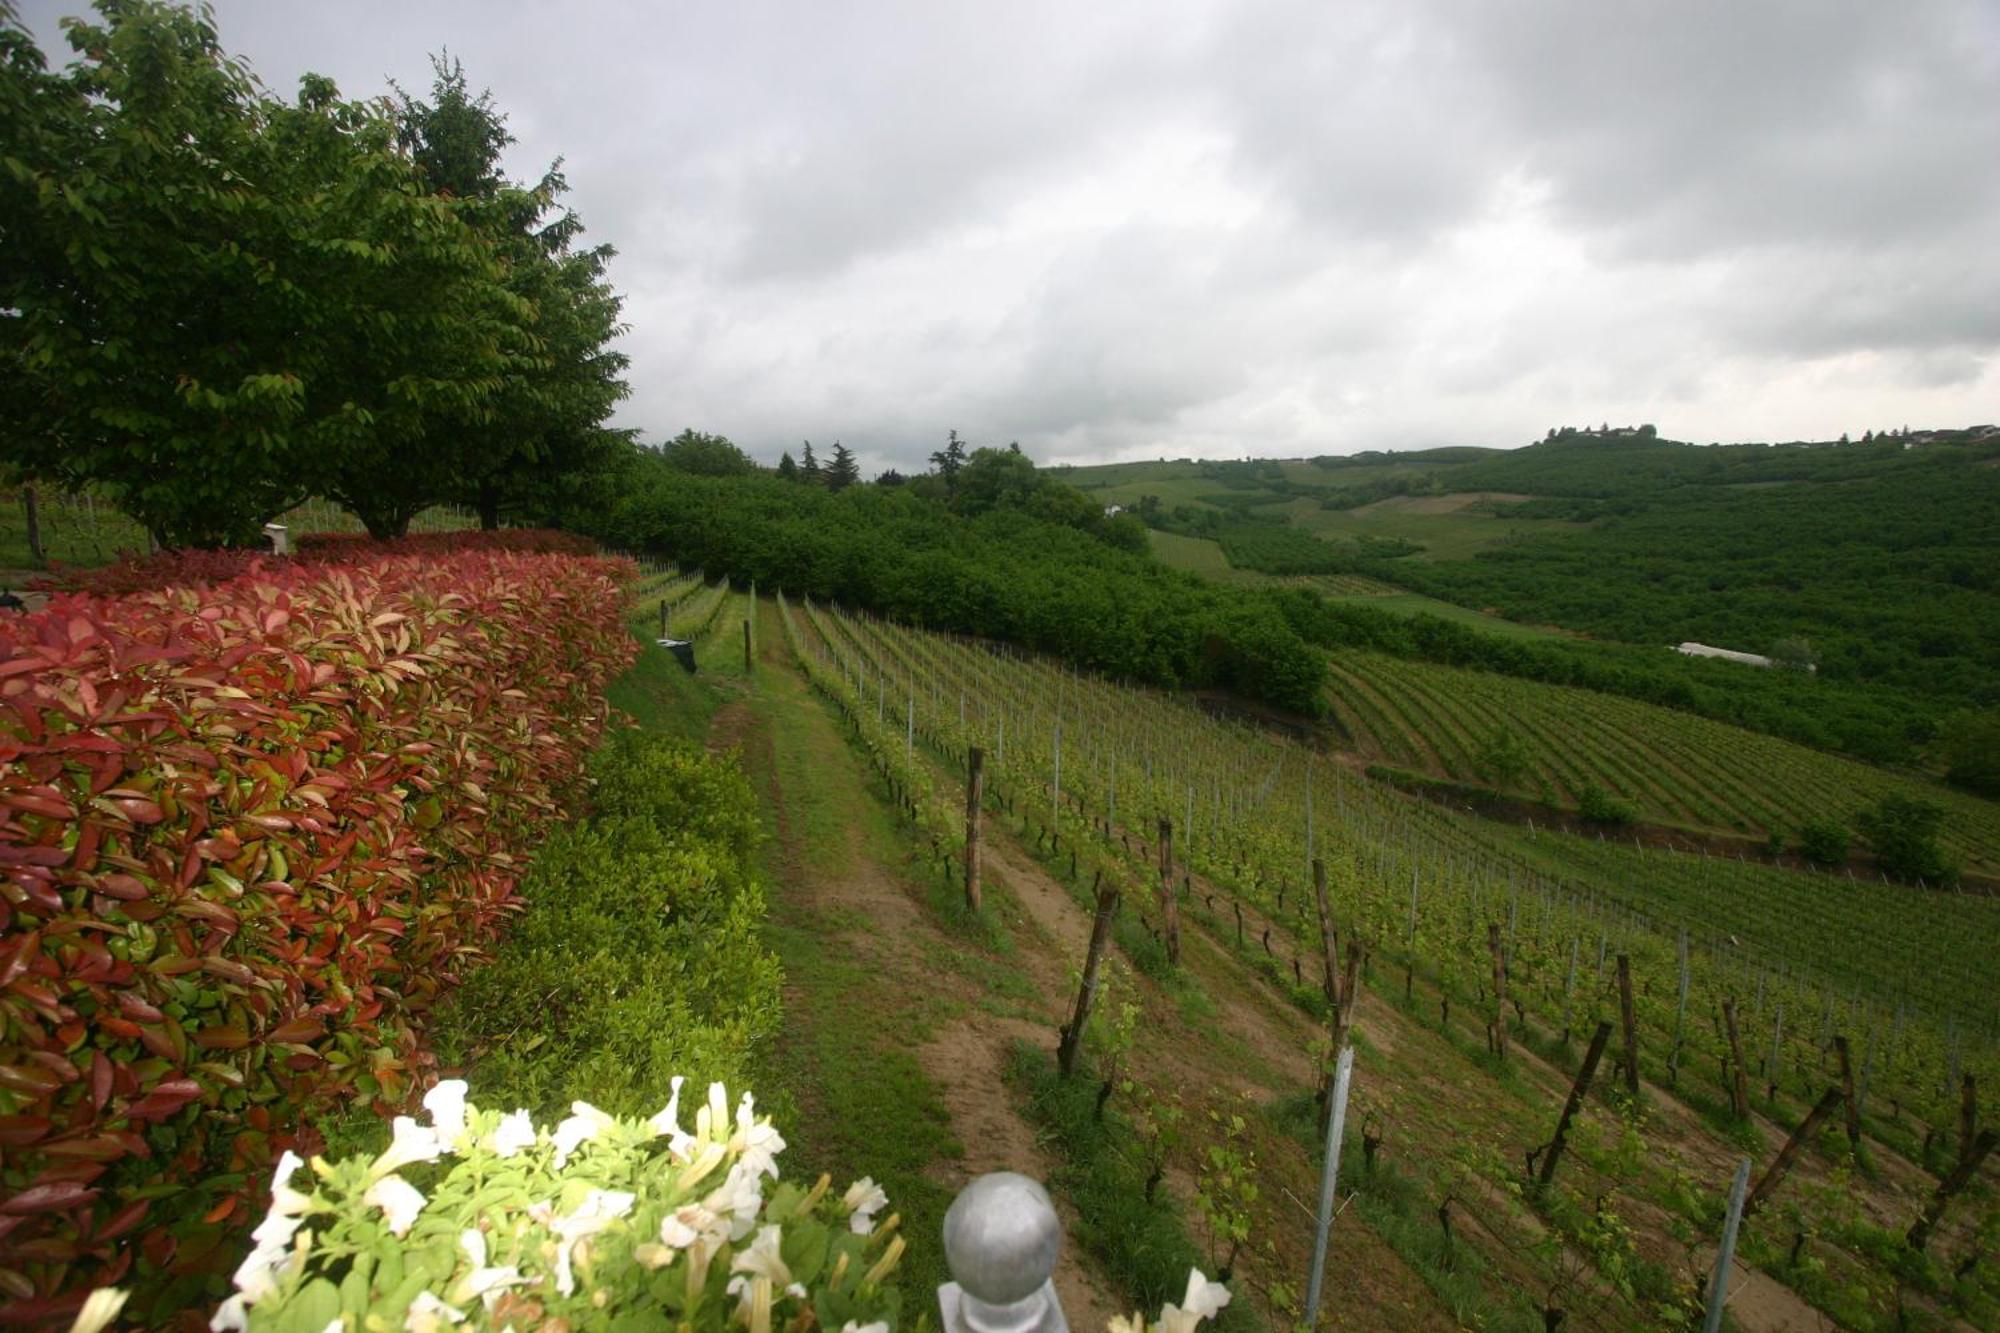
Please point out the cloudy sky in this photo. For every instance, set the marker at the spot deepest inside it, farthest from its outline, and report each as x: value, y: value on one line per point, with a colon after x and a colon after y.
x: 1234, y: 227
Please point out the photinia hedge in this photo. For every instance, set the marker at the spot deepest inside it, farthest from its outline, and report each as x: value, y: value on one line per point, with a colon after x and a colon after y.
x: 249, y: 832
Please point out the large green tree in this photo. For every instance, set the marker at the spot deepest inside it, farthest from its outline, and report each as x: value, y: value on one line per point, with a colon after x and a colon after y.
x: 217, y: 303
x: 546, y: 438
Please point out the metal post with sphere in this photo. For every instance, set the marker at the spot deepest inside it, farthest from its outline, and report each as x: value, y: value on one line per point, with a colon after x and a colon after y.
x: 1001, y: 1240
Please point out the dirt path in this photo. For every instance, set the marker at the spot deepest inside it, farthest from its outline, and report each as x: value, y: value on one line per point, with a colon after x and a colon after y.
x: 869, y: 913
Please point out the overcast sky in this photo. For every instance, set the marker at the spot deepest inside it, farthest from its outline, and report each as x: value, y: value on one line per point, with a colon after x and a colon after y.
x: 1132, y: 230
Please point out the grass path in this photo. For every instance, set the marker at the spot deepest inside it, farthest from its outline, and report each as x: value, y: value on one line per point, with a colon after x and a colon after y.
x: 897, y: 1017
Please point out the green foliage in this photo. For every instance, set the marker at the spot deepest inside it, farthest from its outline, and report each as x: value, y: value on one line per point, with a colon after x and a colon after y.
x: 339, y: 328
x: 1903, y: 832
x: 843, y: 471
x: 1501, y: 759
x: 1137, y: 1233
x: 639, y: 954
x: 708, y: 455
x: 1824, y: 841
x: 1885, y: 559
x: 1972, y: 752
x: 1006, y: 574
x: 1599, y: 806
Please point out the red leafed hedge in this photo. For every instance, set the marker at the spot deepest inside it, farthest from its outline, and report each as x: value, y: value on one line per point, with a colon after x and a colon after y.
x: 184, y: 568
x: 248, y: 833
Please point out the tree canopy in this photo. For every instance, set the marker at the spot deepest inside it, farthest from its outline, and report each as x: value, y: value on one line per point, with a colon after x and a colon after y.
x: 215, y: 303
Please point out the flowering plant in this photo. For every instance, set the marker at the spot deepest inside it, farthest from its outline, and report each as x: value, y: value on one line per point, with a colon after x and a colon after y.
x: 484, y: 1219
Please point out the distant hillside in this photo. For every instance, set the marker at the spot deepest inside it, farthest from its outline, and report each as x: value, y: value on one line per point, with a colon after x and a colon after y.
x: 1879, y: 557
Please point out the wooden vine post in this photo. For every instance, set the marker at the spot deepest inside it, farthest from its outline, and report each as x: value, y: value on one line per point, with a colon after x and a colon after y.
x: 1170, y: 909
x: 1329, y: 947
x: 1739, y: 1087
x: 1499, y: 988
x: 1968, y: 1117
x: 975, y: 791
x: 1968, y: 1166
x: 1086, y: 992
x: 1801, y: 1136
x: 1578, y: 1090
x: 1631, y: 1025
x: 1847, y: 1092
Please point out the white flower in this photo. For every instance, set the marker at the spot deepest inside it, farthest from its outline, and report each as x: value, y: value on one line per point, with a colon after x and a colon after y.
x: 284, y: 1199
x: 668, y: 1122
x: 738, y: 1198
x: 879, y: 1326
x: 409, y: 1142
x: 482, y: 1282
x: 99, y: 1310
x: 446, y: 1103
x: 1204, y: 1299
x: 756, y: 1140
x: 230, y: 1316
x: 688, y: 1224
x: 585, y: 1124
x: 270, y: 1252
x: 1126, y: 1323
x: 399, y: 1200
x: 515, y: 1132
x: 599, y: 1209
x: 711, y: 1120
x: 428, y: 1314
x: 864, y: 1199
x: 762, y: 1260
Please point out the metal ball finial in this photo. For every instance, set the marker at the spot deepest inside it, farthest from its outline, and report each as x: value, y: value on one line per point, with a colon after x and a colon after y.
x: 1001, y: 1239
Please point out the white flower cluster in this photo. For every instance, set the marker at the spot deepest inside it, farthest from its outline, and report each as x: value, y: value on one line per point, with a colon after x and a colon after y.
x: 739, y: 1156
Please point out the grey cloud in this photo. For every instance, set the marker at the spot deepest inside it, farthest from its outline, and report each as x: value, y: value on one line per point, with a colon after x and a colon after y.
x: 1206, y: 227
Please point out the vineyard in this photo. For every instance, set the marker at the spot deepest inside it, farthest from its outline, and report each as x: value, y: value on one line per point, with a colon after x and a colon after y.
x: 1750, y: 990
x: 1675, y: 768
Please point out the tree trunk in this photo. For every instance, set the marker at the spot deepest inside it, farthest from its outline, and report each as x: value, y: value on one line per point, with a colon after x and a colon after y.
x: 1499, y: 989
x: 489, y: 508
x: 1787, y: 1154
x: 1948, y: 1188
x: 1086, y: 993
x: 31, y: 508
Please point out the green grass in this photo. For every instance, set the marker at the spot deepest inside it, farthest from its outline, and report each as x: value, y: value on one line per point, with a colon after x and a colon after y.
x: 1145, y: 1246
x: 1197, y: 555
x: 853, y: 1099
x: 1452, y: 527
x: 1415, y: 603
x: 84, y: 531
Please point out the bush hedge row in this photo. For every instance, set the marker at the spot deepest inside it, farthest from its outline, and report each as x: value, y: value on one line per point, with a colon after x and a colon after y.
x: 249, y: 831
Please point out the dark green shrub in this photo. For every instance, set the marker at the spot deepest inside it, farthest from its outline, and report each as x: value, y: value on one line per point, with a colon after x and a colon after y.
x: 1824, y: 841
x: 1601, y: 807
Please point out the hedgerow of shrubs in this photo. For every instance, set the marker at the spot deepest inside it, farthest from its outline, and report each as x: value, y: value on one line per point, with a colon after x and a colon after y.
x: 249, y: 833
x: 639, y: 956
